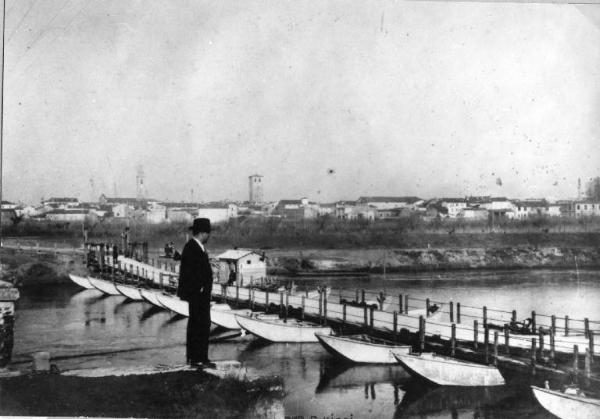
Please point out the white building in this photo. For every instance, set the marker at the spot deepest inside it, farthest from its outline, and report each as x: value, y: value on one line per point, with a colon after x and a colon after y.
x: 586, y: 208
x: 156, y: 214
x: 67, y: 215
x: 473, y: 213
x: 453, y: 205
x: 536, y: 208
x: 242, y: 265
x: 218, y: 212
x: 61, y: 203
x: 498, y: 203
x: 390, y: 202
x: 9, y: 205
x: 123, y: 211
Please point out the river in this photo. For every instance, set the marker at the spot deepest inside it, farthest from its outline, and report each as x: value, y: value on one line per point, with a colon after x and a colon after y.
x: 84, y: 329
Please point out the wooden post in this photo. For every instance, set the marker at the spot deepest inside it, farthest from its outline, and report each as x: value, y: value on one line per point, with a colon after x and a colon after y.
x: 320, y: 307
x: 475, y: 333
x: 541, y: 337
x: 513, y: 317
x: 453, y: 341
x: 372, y: 310
x: 400, y: 310
x: 533, y: 352
x: 396, y: 324
x: 588, y: 363
x: 484, y: 317
x: 362, y: 295
x: 495, y: 347
x: 344, y: 315
x: 591, y: 347
x: 451, y: 312
x: 566, y: 325
x: 427, y: 307
x: 406, y: 303
x: 237, y: 294
x: 486, y: 343
x: 553, y: 323
x: 586, y: 327
x: 324, y: 309
x: 161, y: 280
x: 458, y: 313
x: 304, y: 307
x: 285, y: 312
x: 552, y: 347
x: 381, y: 299
x: 281, y: 303
x: 356, y: 296
x: 267, y: 302
x: 533, y: 327
x: 576, y: 359
x: 506, y: 340
x: 252, y: 299
x: 422, y: 326
x: 366, y: 319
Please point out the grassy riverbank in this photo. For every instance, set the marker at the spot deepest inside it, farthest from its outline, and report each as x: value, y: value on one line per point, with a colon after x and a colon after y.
x: 169, y: 395
x: 328, y: 233
x: 324, y: 245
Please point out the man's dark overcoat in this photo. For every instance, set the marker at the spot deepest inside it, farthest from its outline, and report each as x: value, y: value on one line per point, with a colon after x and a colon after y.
x: 195, y: 287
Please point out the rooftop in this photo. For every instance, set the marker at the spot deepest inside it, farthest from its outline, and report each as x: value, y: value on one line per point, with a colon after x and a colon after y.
x: 407, y: 199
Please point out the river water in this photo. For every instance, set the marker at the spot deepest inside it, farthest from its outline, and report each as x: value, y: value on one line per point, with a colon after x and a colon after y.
x: 84, y: 329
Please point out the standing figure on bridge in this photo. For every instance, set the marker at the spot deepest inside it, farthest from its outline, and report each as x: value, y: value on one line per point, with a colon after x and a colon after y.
x: 195, y: 287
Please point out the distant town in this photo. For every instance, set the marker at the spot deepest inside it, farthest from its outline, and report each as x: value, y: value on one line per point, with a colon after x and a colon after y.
x: 145, y: 209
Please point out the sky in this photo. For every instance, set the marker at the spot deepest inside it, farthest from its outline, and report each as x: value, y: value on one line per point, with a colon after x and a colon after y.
x: 327, y: 100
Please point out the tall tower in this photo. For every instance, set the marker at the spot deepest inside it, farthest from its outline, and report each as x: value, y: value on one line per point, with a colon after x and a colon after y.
x: 255, y: 186
x: 139, y: 183
x: 94, y: 197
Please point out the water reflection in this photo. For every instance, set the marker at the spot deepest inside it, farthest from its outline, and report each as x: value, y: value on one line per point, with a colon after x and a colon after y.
x: 83, y: 329
x: 453, y: 401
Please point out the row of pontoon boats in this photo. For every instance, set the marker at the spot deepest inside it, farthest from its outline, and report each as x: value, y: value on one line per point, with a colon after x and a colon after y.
x: 437, y: 369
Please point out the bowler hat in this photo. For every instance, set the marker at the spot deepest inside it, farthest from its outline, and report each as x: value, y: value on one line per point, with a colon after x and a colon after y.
x: 201, y: 225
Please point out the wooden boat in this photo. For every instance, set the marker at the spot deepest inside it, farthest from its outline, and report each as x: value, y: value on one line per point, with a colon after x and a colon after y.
x: 278, y: 330
x: 225, y: 317
x: 566, y: 405
x: 81, y: 281
x: 446, y: 371
x: 173, y: 303
x: 151, y: 296
x: 362, y: 348
x: 103, y: 285
x: 130, y: 291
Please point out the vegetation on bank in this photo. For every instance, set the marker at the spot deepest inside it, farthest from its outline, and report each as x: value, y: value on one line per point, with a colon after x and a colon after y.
x: 331, y: 233
x: 168, y: 395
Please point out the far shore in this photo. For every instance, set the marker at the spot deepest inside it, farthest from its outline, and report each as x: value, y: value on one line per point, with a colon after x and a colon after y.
x: 53, y: 264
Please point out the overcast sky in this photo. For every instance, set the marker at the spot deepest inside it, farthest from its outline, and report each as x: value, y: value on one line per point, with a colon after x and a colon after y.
x: 326, y: 99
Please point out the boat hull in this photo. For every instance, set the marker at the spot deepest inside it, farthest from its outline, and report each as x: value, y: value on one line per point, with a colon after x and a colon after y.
x: 446, y: 371
x: 104, y: 286
x: 151, y: 297
x: 226, y: 318
x: 275, y: 330
x: 362, y: 352
x: 130, y: 292
x: 81, y: 281
x: 567, y: 405
x: 173, y: 303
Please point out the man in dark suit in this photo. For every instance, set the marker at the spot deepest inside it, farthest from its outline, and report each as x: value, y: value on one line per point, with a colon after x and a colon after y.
x: 195, y: 287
